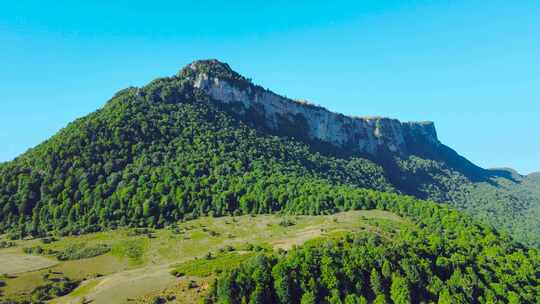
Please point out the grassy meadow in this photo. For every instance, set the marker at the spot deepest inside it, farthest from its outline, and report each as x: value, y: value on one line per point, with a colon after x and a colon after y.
x: 171, y: 265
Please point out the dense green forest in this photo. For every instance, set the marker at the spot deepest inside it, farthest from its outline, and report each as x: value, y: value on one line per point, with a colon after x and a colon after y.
x: 446, y: 258
x: 166, y: 152
x: 144, y: 163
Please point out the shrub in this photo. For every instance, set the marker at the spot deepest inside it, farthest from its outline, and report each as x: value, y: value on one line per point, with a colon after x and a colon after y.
x: 81, y: 251
x: 33, y: 250
x: 6, y: 244
x: 53, y: 288
x: 48, y: 240
x: 140, y: 231
x: 177, y: 273
x: 286, y: 223
x: 158, y: 300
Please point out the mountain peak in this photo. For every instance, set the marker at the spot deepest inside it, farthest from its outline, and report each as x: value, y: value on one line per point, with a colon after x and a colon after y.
x: 212, y: 68
x: 210, y: 65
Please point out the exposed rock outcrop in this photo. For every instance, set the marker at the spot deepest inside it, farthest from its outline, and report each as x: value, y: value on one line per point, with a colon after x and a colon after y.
x: 365, y: 135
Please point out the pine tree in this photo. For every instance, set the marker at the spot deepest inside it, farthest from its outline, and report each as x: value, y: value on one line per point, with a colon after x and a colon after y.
x: 399, y: 291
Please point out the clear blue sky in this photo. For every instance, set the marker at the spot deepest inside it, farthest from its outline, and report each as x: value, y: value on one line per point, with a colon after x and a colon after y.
x: 473, y: 67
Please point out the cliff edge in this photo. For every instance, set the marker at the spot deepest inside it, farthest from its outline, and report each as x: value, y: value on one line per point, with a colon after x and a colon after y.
x: 363, y: 135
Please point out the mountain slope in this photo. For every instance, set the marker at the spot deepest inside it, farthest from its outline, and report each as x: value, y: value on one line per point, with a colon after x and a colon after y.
x: 160, y: 158
x: 208, y: 141
x: 446, y: 258
x: 517, y: 197
x: 414, y: 160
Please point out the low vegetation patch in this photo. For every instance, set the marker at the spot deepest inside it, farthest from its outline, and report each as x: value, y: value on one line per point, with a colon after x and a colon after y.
x: 39, y: 250
x: 140, y: 231
x: 6, y: 244
x: 71, y: 252
x: 131, y: 249
x: 53, y: 287
x: 286, y: 223
x: 208, y: 266
x: 48, y: 240
x: 81, y: 251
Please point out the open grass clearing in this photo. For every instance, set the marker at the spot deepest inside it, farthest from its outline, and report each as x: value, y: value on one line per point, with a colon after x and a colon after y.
x: 139, y: 264
x: 14, y: 262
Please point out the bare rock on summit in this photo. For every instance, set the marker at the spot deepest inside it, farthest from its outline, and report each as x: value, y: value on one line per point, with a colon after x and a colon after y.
x: 363, y: 135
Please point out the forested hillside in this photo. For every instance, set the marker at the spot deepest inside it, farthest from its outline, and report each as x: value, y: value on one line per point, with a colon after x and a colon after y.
x: 169, y: 151
x: 157, y: 159
x: 517, y: 197
x: 447, y: 258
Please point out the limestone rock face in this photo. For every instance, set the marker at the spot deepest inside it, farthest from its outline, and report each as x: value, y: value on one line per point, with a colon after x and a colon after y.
x: 364, y: 135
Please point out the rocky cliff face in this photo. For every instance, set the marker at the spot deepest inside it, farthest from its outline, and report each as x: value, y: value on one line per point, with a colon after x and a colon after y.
x: 364, y: 135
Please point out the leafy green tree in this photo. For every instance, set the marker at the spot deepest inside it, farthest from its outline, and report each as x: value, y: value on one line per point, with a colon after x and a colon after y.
x: 399, y: 292
x: 380, y: 299
x: 445, y: 297
x: 308, y: 298
x: 354, y: 299
x: 376, y: 282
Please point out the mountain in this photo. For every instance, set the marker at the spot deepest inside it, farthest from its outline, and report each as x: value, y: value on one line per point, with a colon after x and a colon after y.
x: 209, y: 141
x: 414, y: 160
